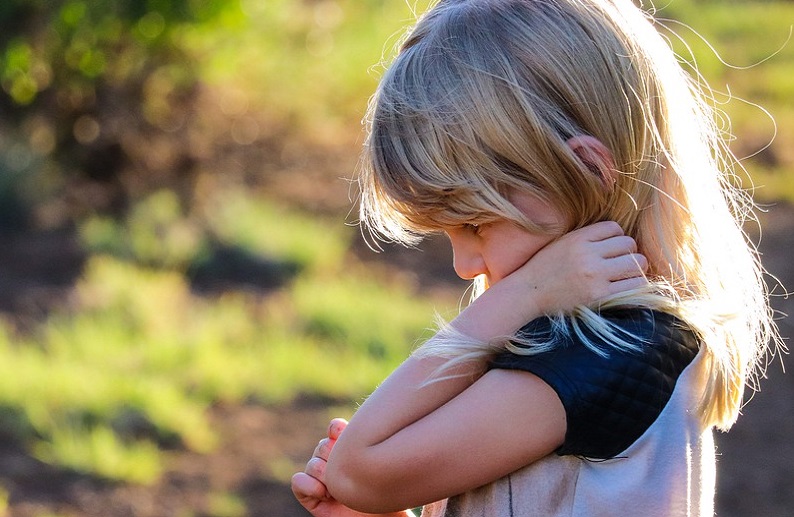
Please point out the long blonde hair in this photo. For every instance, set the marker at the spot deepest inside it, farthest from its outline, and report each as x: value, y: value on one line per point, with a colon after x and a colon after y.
x: 482, y: 98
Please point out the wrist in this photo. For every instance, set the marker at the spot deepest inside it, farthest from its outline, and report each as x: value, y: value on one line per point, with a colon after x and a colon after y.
x: 501, y: 310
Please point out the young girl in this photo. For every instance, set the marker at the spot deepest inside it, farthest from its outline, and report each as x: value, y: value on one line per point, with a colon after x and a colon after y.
x: 583, y: 184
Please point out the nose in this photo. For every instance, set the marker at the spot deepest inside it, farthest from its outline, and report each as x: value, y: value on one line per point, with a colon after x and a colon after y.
x: 466, y: 258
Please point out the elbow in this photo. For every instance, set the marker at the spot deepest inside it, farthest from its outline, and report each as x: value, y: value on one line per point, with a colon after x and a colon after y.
x: 343, y: 485
x: 351, y: 484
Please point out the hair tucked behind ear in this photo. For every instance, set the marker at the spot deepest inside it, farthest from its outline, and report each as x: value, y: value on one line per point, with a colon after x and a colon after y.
x: 484, y: 97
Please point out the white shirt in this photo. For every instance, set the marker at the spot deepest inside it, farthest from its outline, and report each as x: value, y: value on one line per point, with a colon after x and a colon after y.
x: 669, y: 471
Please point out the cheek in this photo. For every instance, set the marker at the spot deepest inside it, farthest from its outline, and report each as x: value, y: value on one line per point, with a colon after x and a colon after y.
x: 523, y: 248
x: 530, y: 248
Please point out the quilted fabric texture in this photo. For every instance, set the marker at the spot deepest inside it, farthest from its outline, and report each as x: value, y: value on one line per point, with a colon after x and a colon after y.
x: 610, y: 401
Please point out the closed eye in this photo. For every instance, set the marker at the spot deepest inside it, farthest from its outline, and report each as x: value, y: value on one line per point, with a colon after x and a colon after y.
x: 473, y: 228
x: 476, y: 228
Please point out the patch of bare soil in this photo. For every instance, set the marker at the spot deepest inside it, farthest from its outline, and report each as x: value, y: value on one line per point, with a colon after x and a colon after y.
x: 258, y: 445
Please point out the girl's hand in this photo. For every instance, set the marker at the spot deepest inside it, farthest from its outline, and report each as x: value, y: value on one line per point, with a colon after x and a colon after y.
x: 579, y: 268
x: 309, y: 486
x: 584, y: 266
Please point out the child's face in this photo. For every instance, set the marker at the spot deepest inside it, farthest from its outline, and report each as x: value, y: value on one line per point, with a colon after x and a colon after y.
x: 499, y: 248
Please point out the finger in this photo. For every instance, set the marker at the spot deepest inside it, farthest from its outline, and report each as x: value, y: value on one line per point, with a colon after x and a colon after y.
x: 336, y: 427
x: 616, y: 246
x: 308, y: 490
x: 626, y: 266
x: 627, y: 284
x: 642, y: 261
x: 323, y: 448
x: 315, y: 467
x: 601, y: 230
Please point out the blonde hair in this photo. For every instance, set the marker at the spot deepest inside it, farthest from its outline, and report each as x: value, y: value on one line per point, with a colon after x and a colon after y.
x: 482, y: 98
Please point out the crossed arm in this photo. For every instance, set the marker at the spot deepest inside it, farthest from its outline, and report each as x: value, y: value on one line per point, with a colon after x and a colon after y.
x: 412, y: 443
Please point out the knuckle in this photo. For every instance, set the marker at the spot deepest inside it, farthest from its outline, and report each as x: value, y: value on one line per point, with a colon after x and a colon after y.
x: 590, y: 271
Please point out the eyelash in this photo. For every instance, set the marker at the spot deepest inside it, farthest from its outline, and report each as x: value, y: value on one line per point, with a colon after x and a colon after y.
x: 473, y: 227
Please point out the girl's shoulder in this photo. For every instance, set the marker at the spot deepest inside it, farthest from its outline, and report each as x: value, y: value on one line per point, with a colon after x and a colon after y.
x: 611, y: 394
x: 641, y: 326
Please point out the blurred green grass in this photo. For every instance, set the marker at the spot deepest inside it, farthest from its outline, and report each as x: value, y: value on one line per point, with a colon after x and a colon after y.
x: 141, y: 354
x: 745, y: 52
x: 140, y: 361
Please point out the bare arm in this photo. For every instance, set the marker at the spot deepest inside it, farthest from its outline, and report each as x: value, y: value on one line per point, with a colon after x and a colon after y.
x: 313, y: 496
x: 411, y: 443
x: 505, y: 420
x: 309, y: 486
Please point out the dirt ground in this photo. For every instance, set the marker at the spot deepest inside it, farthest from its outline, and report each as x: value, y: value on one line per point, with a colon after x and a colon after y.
x: 261, y: 446
x: 756, y: 458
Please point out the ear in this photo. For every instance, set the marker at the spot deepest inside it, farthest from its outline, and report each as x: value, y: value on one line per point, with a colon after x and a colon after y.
x: 595, y: 155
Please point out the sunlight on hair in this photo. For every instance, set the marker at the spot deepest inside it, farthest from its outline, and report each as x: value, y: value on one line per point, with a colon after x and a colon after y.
x: 453, y: 128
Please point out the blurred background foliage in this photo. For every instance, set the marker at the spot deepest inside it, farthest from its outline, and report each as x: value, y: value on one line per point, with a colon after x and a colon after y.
x: 184, y: 160
x: 173, y: 188
x: 105, y: 101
